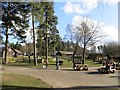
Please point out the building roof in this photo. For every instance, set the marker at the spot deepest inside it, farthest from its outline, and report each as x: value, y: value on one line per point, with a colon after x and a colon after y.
x: 64, y: 52
x: 12, y: 50
x: 17, y: 51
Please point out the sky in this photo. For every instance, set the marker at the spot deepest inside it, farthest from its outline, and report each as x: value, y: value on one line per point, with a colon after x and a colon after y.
x: 105, y: 13
x: 72, y: 12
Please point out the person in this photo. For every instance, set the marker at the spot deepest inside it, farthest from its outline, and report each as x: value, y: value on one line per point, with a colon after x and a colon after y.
x: 107, y: 65
x: 57, y: 64
x: 74, y: 65
x: 114, y: 65
x: 104, y: 64
x: 60, y: 62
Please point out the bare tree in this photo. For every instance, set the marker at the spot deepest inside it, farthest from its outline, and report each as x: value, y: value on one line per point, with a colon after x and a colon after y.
x: 88, y: 34
x: 73, y: 37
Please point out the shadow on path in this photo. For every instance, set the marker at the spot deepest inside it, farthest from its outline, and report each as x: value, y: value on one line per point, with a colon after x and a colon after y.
x: 71, y: 88
x: 92, y: 88
x: 67, y: 69
x: 93, y: 72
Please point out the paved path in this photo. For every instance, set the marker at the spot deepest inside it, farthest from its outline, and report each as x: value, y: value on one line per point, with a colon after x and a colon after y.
x: 66, y: 78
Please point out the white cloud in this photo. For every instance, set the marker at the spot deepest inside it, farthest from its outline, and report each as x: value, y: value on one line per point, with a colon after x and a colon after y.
x: 68, y: 8
x: 111, y: 2
x: 73, y: 8
x: 77, y: 20
x: 85, y: 6
x: 90, y: 4
x: 29, y: 37
x: 109, y: 31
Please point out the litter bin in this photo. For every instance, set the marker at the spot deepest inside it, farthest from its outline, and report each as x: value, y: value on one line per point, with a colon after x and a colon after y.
x: 39, y: 60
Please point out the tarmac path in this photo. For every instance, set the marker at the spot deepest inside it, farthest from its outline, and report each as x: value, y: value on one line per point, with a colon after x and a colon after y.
x: 67, y: 78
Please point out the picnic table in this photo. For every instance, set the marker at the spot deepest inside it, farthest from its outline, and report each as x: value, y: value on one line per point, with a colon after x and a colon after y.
x: 79, y: 66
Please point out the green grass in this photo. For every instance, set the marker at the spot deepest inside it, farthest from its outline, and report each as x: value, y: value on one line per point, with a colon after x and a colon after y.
x: 52, y: 63
x: 28, y: 65
x: 22, y: 81
x: 92, y: 64
x: 67, y: 64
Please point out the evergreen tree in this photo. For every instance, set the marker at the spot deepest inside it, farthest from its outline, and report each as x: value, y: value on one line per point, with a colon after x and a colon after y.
x: 14, y: 21
x: 48, y: 14
x: 46, y: 26
x: 39, y: 42
x: 36, y: 13
x: 17, y: 46
x: 1, y: 38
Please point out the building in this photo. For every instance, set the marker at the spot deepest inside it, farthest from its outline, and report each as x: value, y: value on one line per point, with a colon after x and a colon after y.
x: 67, y: 55
x: 97, y: 57
x: 11, y: 52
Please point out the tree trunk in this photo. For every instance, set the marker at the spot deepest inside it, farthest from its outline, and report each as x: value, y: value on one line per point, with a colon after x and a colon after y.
x: 40, y: 43
x: 84, y: 51
x: 29, y: 57
x: 6, y: 46
x: 46, y: 56
x: 46, y: 43
x: 73, y: 60
x: 34, y: 41
x: 6, y: 43
x: 54, y: 51
x: 74, y: 52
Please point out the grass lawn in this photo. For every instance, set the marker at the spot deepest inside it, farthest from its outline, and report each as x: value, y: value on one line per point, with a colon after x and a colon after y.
x: 20, y: 64
x: 22, y: 82
x: 92, y: 64
x: 52, y: 63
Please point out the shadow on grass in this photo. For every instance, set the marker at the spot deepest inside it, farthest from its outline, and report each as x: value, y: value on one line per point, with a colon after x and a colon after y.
x: 52, y: 64
x: 23, y: 88
x: 69, y: 88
